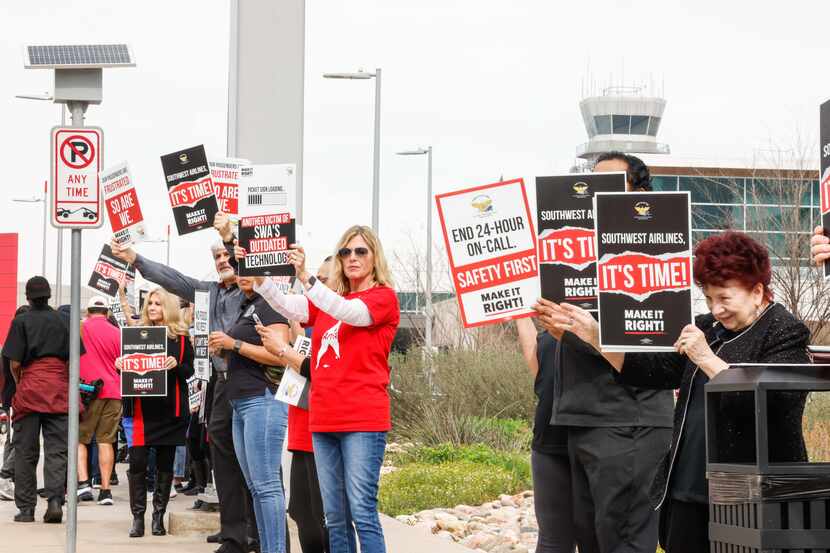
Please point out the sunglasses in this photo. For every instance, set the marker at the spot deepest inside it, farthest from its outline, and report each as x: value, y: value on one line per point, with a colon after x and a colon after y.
x: 346, y: 252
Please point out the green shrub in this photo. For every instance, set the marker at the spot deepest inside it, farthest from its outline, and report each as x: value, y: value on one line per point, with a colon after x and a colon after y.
x: 473, y: 392
x: 418, y: 486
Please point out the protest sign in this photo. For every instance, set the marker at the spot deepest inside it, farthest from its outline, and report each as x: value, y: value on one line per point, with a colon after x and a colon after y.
x: 565, y: 221
x: 294, y: 388
x: 144, y: 354
x: 226, y: 174
x: 266, y: 239
x: 121, y: 205
x: 824, y: 173
x: 644, y: 269
x: 267, y: 189
x: 190, y: 189
x: 491, y: 243
x: 201, y: 326
x: 195, y: 393
x: 110, y: 273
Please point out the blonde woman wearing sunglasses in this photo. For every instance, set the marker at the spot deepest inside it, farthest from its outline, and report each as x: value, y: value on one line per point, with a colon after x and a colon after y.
x: 355, y: 319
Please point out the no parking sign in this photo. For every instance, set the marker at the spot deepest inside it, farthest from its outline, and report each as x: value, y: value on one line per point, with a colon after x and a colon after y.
x: 77, y: 155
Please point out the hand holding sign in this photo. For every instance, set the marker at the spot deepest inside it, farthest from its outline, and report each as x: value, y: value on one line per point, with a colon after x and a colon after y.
x: 819, y: 246
x: 124, y: 253
x: 222, y: 224
x: 297, y: 258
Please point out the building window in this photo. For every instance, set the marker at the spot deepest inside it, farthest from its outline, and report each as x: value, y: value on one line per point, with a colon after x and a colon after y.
x: 639, y: 124
x: 653, y: 125
x: 603, y: 124
x: 778, y: 192
x: 622, y: 124
x: 816, y: 194
x: 718, y: 217
x: 664, y: 184
x: 714, y: 190
x: 778, y: 219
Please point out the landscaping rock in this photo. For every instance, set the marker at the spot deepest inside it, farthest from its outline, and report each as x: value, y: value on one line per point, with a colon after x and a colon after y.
x: 507, y: 525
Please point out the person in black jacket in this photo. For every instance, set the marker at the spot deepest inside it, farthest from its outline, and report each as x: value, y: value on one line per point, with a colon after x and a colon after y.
x: 615, y: 434
x: 159, y: 422
x: 745, y: 325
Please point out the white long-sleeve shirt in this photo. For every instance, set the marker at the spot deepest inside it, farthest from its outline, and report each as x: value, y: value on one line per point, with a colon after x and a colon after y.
x: 295, y: 307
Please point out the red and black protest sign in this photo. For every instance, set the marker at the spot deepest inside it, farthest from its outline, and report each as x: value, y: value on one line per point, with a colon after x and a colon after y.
x: 824, y: 175
x: 491, y: 245
x: 190, y: 188
x: 644, y: 269
x: 266, y: 240
x: 110, y: 273
x: 143, y: 356
x: 565, y: 217
x: 226, y: 174
x: 121, y: 203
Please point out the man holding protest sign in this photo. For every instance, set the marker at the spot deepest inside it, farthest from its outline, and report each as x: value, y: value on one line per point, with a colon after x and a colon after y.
x: 616, y: 436
x: 235, y: 509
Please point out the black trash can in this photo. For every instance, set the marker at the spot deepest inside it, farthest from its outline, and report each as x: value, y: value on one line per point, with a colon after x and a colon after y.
x: 760, y: 501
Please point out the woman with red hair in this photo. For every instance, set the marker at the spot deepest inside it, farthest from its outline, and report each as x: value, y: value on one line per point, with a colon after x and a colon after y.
x: 744, y: 325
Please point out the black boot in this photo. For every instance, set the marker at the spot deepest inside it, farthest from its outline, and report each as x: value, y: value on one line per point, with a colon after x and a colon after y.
x: 164, y: 481
x: 138, y: 501
x: 199, y: 478
x: 54, y: 512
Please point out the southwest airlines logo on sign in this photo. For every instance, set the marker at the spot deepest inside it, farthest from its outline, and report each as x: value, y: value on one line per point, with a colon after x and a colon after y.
x: 77, y: 155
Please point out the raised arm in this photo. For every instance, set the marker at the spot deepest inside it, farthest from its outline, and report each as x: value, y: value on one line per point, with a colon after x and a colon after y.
x: 168, y: 278
x: 292, y: 307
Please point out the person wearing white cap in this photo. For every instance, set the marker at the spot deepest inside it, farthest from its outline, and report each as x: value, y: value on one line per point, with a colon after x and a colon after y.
x: 102, y: 342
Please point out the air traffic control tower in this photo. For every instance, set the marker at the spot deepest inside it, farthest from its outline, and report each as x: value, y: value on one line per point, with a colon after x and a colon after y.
x: 624, y: 119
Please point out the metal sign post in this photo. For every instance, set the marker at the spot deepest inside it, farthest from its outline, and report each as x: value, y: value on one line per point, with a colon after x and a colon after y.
x: 77, y: 157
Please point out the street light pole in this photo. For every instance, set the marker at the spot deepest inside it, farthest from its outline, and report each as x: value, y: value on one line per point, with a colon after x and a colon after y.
x: 376, y: 160
x: 59, y: 266
x: 36, y: 200
x: 46, y: 97
x: 363, y: 75
x: 428, y: 292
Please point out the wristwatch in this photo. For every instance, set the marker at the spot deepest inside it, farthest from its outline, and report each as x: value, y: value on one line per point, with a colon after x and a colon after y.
x: 311, y: 281
x: 237, y: 345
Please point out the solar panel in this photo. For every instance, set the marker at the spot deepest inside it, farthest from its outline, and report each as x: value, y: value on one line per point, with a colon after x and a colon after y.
x: 78, y: 56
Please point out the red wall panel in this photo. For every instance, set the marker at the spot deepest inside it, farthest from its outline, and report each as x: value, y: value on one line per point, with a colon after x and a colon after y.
x: 8, y: 281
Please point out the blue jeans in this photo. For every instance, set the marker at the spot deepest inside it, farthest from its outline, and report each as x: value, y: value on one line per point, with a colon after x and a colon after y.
x: 348, y: 467
x: 180, y: 463
x: 259, y: 425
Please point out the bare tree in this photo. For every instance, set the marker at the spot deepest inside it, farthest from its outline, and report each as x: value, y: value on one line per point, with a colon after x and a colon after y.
x: 778, y: 207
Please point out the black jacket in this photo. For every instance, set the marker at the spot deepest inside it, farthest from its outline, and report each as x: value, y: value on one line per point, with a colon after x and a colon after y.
x: 586, y: 395
x: 775, y: 337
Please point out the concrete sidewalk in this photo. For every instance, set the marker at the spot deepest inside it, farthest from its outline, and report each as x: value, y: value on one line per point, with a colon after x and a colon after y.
x: 104, y: 530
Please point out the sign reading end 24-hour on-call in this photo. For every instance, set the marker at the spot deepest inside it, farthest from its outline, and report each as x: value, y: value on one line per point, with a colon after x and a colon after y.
x: 77, y: 156
x: 491, y: 244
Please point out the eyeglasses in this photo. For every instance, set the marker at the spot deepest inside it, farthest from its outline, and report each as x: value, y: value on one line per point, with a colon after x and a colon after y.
x: 360, y: 252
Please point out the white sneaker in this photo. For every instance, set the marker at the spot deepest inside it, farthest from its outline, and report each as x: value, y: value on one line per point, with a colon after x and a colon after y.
x: 173, y: 492
x: 6, y: 490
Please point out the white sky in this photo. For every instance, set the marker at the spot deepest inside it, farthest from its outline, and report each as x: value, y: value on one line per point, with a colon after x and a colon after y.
x: 493, y: 86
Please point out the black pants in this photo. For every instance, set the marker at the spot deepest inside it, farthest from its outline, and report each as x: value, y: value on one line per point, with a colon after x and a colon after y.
x: 196, y: 446
x: 552, y: 502
x: 140, y: 457
x: 236, y: 518
x: 27, y: 430
x: 686, y: 527
x: 611, y: 473
x: 306, y: 504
